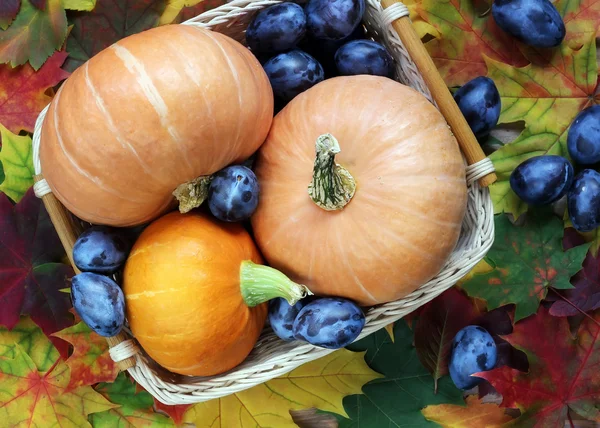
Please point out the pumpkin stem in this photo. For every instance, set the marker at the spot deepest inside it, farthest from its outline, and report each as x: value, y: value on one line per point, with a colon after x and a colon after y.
x: 332, y: 186
x: 260, y: 283
x: 191, y: 194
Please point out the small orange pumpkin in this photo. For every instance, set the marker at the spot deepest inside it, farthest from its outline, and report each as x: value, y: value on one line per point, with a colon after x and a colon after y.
x: 377, y: 211
x: 147, y: 116
x: 195, y: 293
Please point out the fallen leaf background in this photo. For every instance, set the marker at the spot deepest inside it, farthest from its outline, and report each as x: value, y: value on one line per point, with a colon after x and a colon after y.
x: 537, y: 291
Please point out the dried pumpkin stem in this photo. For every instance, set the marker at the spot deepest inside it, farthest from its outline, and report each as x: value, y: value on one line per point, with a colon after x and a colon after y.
x: 190, y: 195
x: 260, y: 284
x: 332, y: 186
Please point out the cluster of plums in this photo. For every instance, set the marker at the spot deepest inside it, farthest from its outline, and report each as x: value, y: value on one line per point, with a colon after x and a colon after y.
x: 100, y: 252
x: 543, y: 180
x: 328, y: 322
x: 300, y: 47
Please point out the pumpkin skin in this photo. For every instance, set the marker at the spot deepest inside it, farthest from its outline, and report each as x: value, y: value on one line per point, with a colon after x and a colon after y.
x: 182, y: 294
x: 152, y: 111
x: 405, y: 218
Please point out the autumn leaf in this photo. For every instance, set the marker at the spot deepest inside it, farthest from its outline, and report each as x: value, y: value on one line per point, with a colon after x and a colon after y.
x: 439, y: 321
x: 581, y: 19
x: 110, y: 21
x: 36, y: 395
x: 32, y: 341
x: 465, y: 40
x: 526, y: 261
x: 133, y: 410
x: 173, y: 8
x: 192, y: 11
x: 22, y: 92
x: 322, y: 383
x: 546, y: 97
x: 563, y: 371
x: 175, y: 412
x: 396, y: 399
x: 8, y: 12
x: 475, y: 415
x: 79, y: 4
x: 90, y: 362
x: 34, y: 35
x: 31, y: 273
x: 16, y: 157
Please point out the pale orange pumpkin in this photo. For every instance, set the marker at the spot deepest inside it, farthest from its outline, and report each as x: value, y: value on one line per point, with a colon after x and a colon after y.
x: 383, y: 224
x: 195, y: 291
x: 148, y: 114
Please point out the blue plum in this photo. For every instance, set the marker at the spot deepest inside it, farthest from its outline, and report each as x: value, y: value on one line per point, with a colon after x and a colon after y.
x: 479, y: 102
x: 542, y: 180
x: 329, y: 322
x: 583, y: 141
x: 583, y: 201
x: 99, y: 302
x: 364, y: 57
x: 101, y: 249
x: 276, y: 28
x: 282, y: 316
x: 293, y: 72
x: 473, y: 351
x: 333, y: 19
x: 536, y: 23
x: 233, y: 193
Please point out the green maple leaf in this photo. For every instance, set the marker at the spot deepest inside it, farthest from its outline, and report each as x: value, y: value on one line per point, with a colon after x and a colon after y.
x: 16, y: 158
x: 397, y: 399
x: 546, y: 96
x: 526, y: 261
x: 135, y: 408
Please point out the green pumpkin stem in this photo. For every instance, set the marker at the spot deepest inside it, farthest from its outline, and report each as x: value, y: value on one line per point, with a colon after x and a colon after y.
x: 332, y: 186
x: 190, y: 195
x: 260, y: 284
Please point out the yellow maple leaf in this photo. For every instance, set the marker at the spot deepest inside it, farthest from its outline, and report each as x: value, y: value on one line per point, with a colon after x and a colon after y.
x: 173, y: 8
x: 322, y: 383
x: 476, y: 414
x: 422, y: 27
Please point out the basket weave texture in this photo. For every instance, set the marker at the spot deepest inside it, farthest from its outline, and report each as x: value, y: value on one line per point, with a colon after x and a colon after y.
x: 272, y: 357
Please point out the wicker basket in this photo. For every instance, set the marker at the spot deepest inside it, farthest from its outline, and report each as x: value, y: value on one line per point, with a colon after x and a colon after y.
x: 271, y: 356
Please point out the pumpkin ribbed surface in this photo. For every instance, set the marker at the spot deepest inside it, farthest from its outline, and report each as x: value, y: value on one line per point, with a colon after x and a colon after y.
x: 153, y: 111
x: 182, y: 294
x: 405, y: 217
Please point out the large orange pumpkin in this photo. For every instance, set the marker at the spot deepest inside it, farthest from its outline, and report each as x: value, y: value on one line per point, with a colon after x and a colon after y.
x: 148, y: 114
x: 385, y: 212
x: 195, y: 293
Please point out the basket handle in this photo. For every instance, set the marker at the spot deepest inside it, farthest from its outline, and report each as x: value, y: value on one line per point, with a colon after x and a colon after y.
x: 440, y: 92
x: 68, y: 232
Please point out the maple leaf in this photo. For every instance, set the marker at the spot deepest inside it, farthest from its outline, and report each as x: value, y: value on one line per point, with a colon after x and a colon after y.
x: 31, y: 273
x: 16, y: 157
x: 173, y: 9
x: 439, y: 321
x: 465, y: 40
x: 475, y: 415
x: 396, y: 399
x: 90, y: 362
x: 34, y: 393
x: 321, y: 383
x: 563, y: 371
x: 22, y: 92
x: 546, y: 97
x: 85, y: 5
x: 132, y: 410
x: 175, y: 412
x: 580, y: 18
x: 32, y: 340
x: 110, y: 21
x: 526, y: 261
x: 585, y: 296
x: 34, y: 34
x: 8, y: 12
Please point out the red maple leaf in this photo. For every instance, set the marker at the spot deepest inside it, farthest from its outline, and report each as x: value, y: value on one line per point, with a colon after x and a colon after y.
x: 23, y: 91
x: 31, y: 268
x: 175, y: 412
x: 563, y: 371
